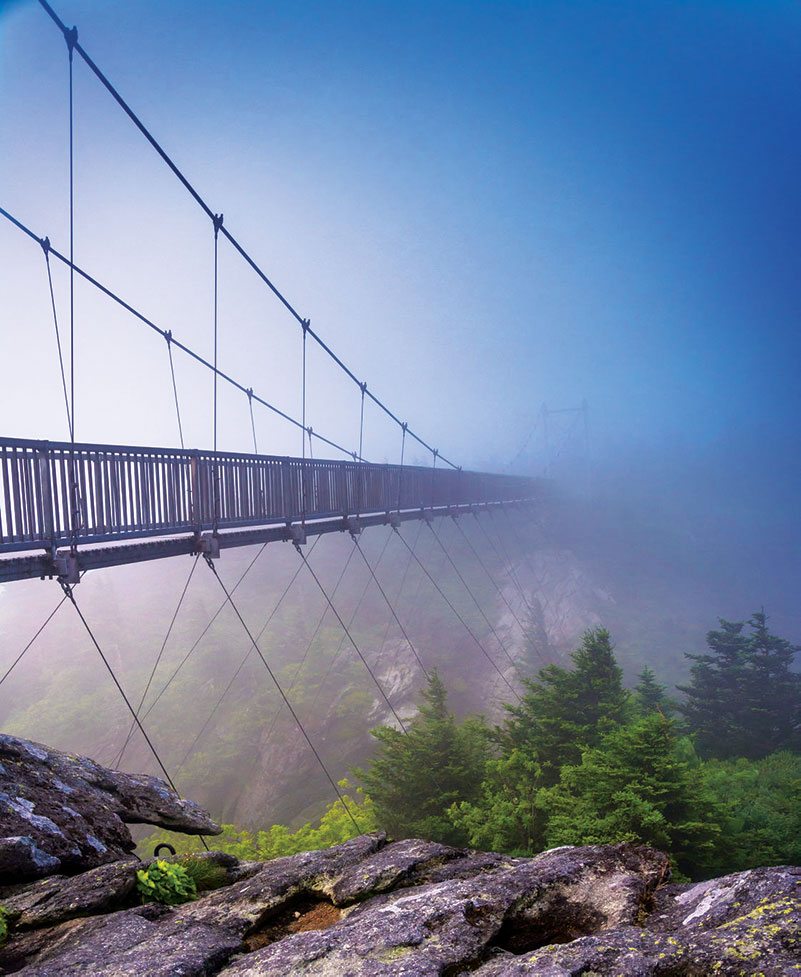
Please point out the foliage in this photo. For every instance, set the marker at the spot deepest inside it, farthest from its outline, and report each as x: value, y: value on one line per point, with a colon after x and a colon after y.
x: 206, y: 874
x: 760, y: 801
x: 335, y: 827
x: 743, y: 698
x: 414, y: 777
x: 3, y: 925
x: 165, y: 882
x: 638, y: 785
x: 563, y: 712
x: 650, y: 696
x: 505, y: 816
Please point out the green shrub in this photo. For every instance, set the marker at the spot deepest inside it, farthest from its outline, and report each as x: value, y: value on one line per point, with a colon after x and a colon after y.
x: 165, y: 882
x: 3, y: 925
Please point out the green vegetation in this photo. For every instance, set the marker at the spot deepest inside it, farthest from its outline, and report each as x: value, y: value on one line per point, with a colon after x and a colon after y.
x: 583, y: 761
x: 743, y: 699
x: 3, y: 925
x: 414, y: 777
x: 335, y: 827
x: 203, y: 872
x: 165, y: 882
x: 712, y: 779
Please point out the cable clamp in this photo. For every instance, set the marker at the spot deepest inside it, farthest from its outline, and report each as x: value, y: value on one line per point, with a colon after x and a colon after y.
x: 306, y: 323
x: 168, y: 336
x: 218, y: 223
x: 249, y: 392
x: 354, y: 526
x: 297, y: 533
x: 45, y: 242
x: 404, y: 427
x: 363, y: 387
x: 71, y: 37
x: 310, y: 431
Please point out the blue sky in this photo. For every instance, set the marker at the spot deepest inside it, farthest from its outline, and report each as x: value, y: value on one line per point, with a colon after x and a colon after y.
x: 481, y: 206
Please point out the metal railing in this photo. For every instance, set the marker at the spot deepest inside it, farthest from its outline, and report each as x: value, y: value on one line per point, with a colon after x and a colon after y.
x: 54, y: 493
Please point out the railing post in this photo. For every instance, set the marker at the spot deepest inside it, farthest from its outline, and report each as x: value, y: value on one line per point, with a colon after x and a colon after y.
x: 48, y: 529
x: 195, y: 515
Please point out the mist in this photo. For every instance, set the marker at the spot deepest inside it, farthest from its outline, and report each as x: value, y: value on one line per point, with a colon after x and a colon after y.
x: 482, y: 208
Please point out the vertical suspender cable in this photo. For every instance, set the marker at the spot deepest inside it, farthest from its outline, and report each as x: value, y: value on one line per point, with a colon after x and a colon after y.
x: 168, y: 337
x: 218, y: 220
x: 252, y: 422
x: 45, y: 242
x: 360, y: 472
x: 305, y: 324
x: 400, y: 473
x: 71, y: 37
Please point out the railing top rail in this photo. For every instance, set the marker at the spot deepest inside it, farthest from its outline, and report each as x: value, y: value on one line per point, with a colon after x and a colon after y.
x: 82, y: 447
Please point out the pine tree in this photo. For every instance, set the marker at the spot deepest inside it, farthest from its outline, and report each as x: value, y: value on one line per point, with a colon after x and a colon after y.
x: 564, y: 712
x: 650, y: 695
x: 743, y: 699
x: 636, y: 786
x: 414, y: 777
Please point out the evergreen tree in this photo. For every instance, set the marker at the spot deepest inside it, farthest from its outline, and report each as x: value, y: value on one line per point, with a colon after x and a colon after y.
x: 414, y: 777
x: 743, y: 699
x: 761, y: 811
x: 563, y: 712
x: 637, y: 786
x: 650, y: 696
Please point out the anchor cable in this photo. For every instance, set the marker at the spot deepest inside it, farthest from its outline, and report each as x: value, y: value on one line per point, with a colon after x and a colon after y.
x: 286, y: 700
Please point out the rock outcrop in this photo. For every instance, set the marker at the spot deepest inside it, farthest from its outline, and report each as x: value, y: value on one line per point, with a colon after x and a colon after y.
x: 64, y: 813
x: 368, y: 909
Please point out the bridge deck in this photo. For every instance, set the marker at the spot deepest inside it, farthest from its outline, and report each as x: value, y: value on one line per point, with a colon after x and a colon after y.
x: 54, y: 495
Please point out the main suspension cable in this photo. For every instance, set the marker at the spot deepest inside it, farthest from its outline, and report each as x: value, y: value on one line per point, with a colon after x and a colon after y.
x: 464, y: 623
x: 286, y: 700
x: 163, y: 333
x: 208, y: 212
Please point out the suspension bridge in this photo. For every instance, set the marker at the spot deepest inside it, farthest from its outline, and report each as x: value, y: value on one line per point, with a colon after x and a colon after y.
x: 68, y: 507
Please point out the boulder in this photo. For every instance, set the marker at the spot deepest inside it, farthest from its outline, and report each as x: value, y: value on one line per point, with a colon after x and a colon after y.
x: 64, y: 813
x: 415, y: 909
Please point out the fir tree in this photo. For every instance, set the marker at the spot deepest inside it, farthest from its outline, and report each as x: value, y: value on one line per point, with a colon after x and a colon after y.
x: 743, y: 699
x: 564, y: 712
x: 649, y: 695
x: 637, y: 786
x: 414, y: 777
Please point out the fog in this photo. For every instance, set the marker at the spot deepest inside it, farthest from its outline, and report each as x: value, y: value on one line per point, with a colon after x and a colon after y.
x: 482, y: 208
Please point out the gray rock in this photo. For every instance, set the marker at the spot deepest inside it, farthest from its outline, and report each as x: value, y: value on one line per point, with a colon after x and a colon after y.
x: 416, y: 909
x: 64, y: 813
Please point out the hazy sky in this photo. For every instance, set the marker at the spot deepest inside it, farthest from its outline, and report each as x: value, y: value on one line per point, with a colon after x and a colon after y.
x: 480, y: 206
